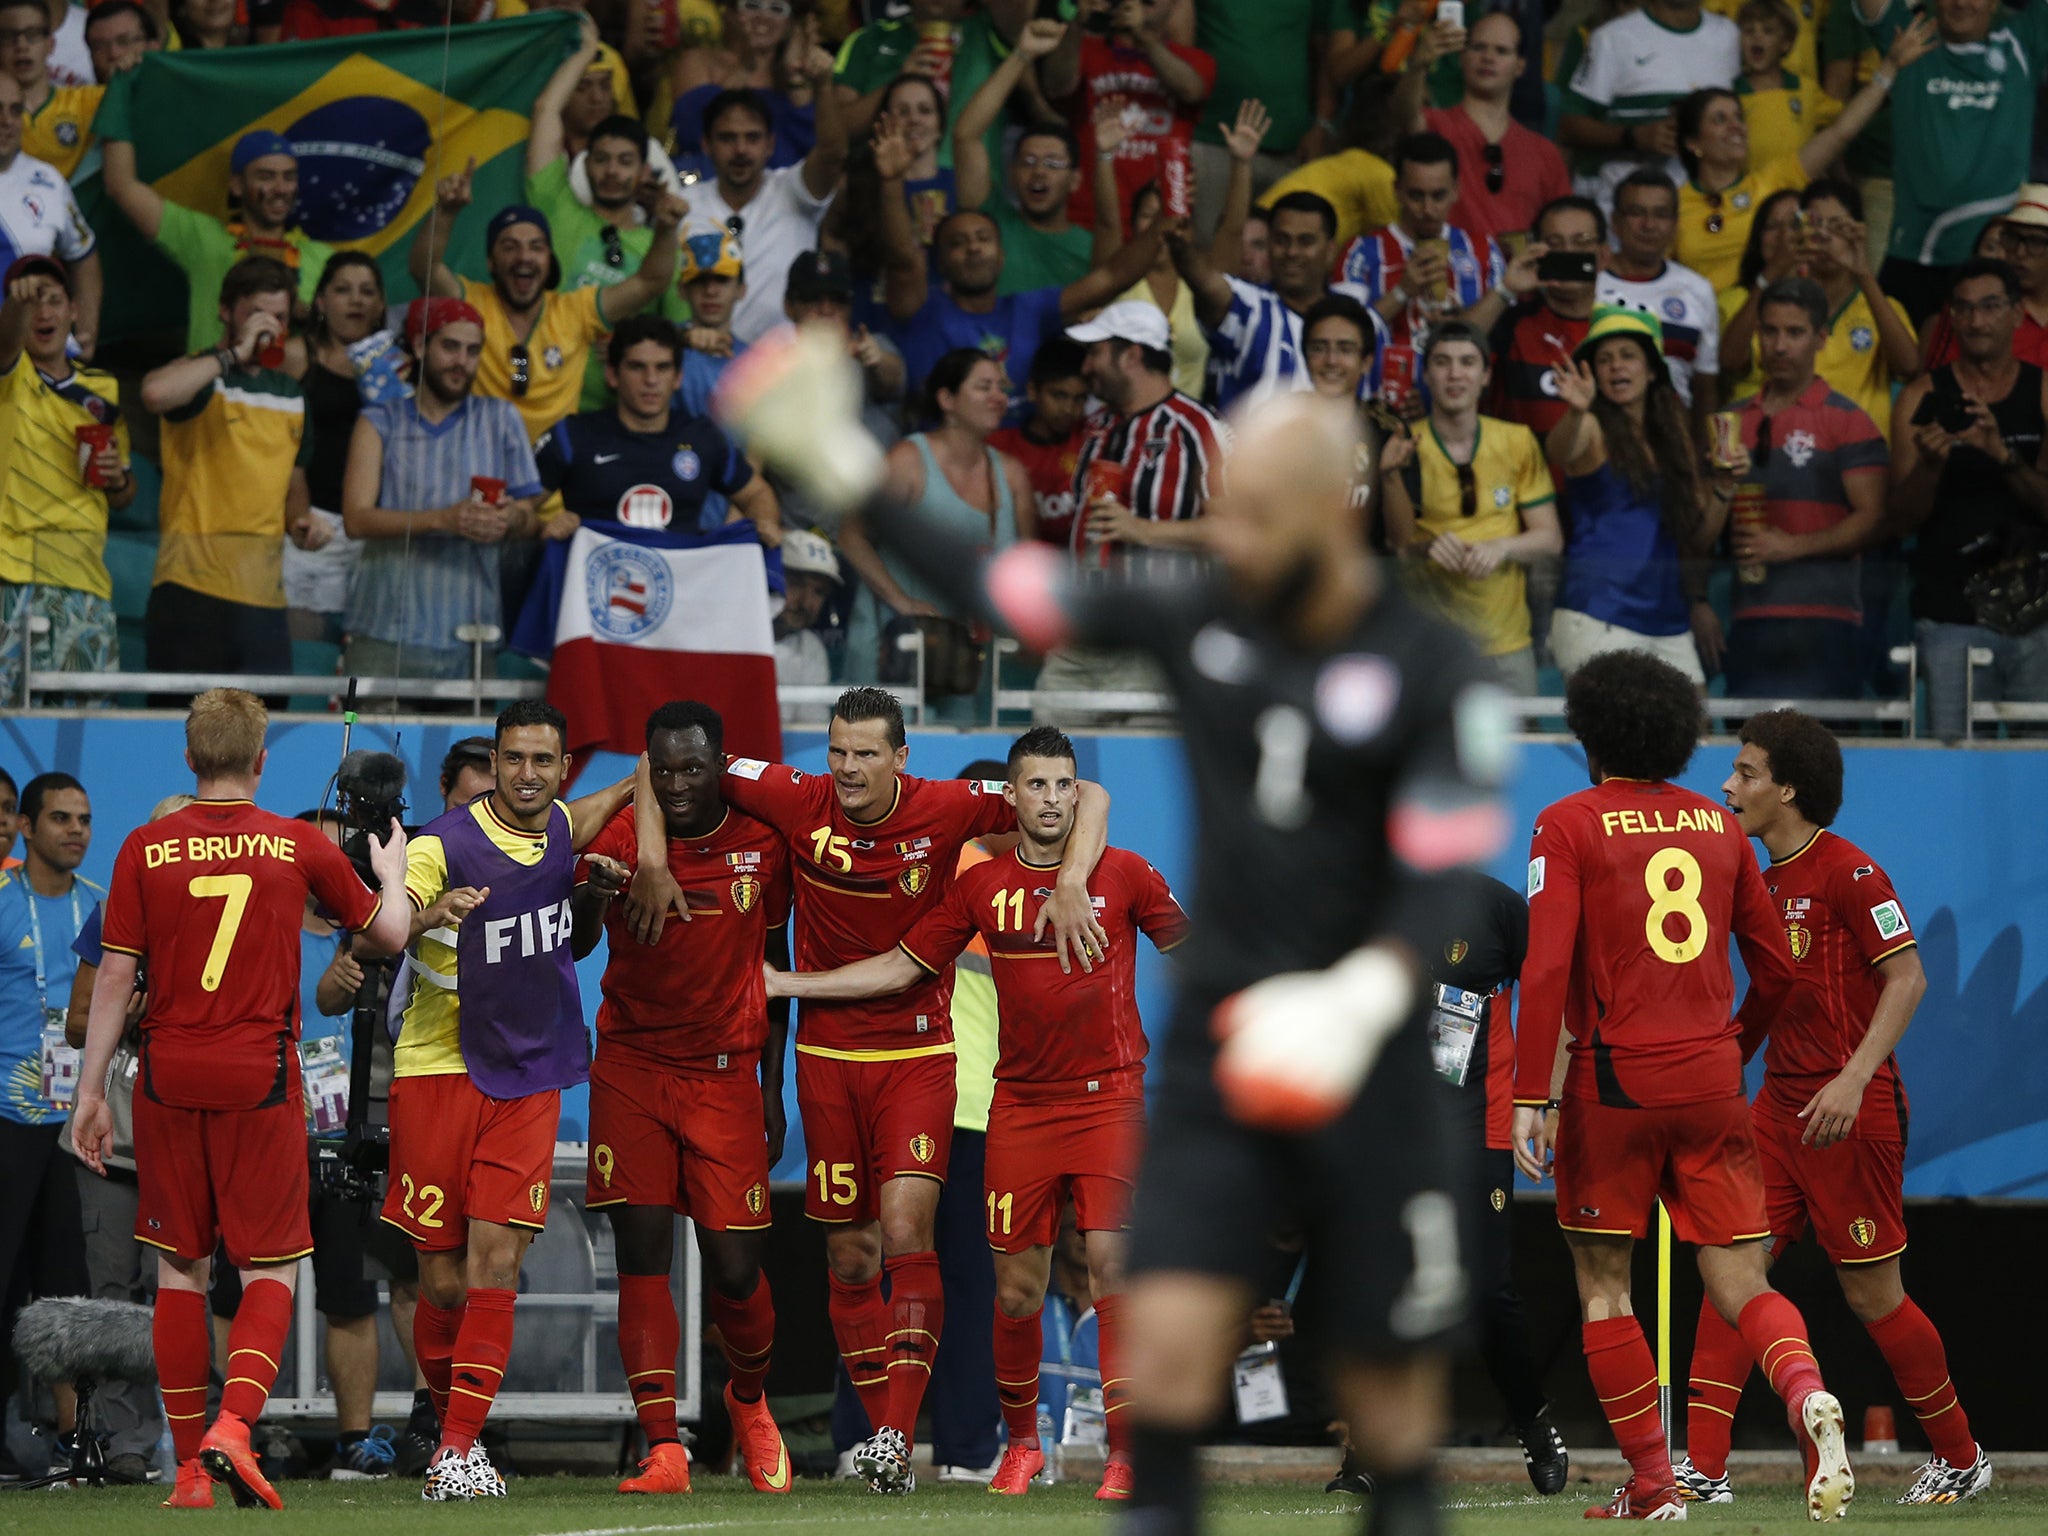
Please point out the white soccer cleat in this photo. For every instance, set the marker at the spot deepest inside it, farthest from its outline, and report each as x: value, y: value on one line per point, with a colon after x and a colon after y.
x: 1698, y: 1488
x: 485, y: 1480
x: 884, y: 1460
x: 794, y: 397
x: 448, y: 1478
x: 1296, y: 1048
x: 1940, y: 1483
x: 1831, y: 1485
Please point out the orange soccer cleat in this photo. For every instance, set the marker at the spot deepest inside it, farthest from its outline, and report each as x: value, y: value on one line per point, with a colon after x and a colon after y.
x: 228, y: 1458
x: 194, y: 1489
x: 1116, y: 1477
x: 666, y: 1470
x: 1633, y: 1503
x: 1014, y: 1472
x: 761, y: 1449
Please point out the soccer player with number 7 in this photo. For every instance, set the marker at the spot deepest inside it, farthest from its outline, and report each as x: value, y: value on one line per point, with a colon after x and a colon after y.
x: 211, y: 897
x: 1635, y: 888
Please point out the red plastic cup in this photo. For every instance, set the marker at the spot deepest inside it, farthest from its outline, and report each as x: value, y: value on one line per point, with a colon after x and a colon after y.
x: 271, y: 355
x: 1397, y: 374
x: 92, y: 437
x: 486, y: 489
x: 1106, y: 478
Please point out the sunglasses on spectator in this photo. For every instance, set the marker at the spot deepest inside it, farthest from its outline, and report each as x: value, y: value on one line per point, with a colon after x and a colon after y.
x: 15, y: 35
x: 2033, y: 241
x: 1496, y: 171
x: 614, y: 247
x: 779, y: 9
x: 1468, y: 491
x: 1715, y: 223
x: 1760, y: 456
x: 735, y: 225
x: 522, y: 370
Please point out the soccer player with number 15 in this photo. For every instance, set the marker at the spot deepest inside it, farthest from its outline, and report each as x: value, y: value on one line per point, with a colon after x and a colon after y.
x: 1635, y: 888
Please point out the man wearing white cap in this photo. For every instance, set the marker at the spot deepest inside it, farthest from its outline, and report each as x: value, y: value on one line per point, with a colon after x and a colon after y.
x: 810, y: 575
x: 1150, y: 459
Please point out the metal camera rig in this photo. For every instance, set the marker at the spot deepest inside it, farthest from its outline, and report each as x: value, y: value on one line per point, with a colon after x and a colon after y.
x: 369, y: 795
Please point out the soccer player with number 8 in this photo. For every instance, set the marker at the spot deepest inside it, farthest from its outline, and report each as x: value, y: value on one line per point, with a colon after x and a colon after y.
x: 211, y: 896
x: 1635, y: 888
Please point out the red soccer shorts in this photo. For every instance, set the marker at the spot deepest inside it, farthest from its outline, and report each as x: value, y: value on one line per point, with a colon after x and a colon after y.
x: 459, y: 1155
x: 1613, y: 1165
x: 1041, y: 1154
x: 867, y: 1122
x: 698, y: 1145
x: 238, y: 1174
x: 1853, y: 1192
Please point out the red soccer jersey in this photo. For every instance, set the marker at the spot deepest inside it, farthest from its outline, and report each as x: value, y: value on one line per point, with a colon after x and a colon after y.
x: 1153, y: 118
x: 212, y: 897
x: 1061, y: 1036
x: 1841, y: 918
x: 1050, y: 469
x: 861, y: 885
x: 1634, y: 891
x: 697, y: 994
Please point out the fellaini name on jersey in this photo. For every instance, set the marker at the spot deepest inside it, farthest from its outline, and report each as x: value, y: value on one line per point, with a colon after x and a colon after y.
x: 1630, y: 823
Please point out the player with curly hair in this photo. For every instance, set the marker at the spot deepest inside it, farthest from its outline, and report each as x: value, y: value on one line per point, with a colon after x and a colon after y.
x: 1635, y: 888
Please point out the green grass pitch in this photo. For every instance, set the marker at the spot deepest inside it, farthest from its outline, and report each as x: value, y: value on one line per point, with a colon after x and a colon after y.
x: 565, y: 1506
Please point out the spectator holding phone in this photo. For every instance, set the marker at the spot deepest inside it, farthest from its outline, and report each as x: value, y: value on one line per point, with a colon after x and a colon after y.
x: 436, y: 483
x: 1554, y: 311
x: 1967, y: 479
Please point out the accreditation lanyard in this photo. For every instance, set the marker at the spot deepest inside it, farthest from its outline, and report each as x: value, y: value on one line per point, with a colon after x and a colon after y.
x: 35, y: 933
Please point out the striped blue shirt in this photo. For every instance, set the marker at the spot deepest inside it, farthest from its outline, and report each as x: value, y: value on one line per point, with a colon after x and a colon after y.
x: 1256, y: 350
x: 415, y: 591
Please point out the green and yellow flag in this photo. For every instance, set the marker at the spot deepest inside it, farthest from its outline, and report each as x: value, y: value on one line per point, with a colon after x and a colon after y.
x: 376, y: 120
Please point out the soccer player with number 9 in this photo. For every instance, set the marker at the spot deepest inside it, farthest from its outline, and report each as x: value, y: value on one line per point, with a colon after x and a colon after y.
x: 1635, y: 888
x: 211, y: 896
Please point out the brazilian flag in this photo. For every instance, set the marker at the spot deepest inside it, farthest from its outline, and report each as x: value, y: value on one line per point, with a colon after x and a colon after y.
x: 376, y: 120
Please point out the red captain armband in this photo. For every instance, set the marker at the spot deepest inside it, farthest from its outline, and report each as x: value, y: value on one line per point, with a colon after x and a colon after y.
x: 1023, y: 587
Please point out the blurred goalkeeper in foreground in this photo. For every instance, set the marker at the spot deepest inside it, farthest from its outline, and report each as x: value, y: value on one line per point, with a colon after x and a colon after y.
x: 1344, y: 760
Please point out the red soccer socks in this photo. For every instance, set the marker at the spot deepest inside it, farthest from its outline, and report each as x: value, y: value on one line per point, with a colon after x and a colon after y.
x: 649, y: 1337
x: 1625, y: 1380
x: 860, y: 1324
x: 1019, y: 1346
x: 1720, y: 1365
x: 179, y: 1333
x: 1912, y: 1348
x: 481, y: 1349
x: 917, y: 1306
x: 434, y: 1331
x: 255, y: 1345
x: 747, y: 1327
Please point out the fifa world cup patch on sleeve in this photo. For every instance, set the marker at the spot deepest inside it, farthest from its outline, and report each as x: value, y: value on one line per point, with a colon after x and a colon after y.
x: 1891, y: 922
x: 985, y: 787
x: 1535, y: 875
x: 746, y: 767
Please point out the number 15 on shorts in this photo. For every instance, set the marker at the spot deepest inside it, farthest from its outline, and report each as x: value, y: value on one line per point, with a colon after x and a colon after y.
x: 836, y: 1183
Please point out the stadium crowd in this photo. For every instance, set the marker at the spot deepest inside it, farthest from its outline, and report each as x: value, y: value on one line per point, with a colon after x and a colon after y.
x: 1712, y: 331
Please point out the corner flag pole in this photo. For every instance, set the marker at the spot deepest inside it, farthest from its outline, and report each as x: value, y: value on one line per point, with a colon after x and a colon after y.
x: 1664, y: 1321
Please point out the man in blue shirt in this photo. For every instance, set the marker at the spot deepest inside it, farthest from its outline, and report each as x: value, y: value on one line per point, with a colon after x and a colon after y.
x: 644, y: 463
x: 43, y: 905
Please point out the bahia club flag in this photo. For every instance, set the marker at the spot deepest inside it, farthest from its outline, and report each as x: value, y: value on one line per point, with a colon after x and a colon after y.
x: 647, y: 617
x: 376, y: 120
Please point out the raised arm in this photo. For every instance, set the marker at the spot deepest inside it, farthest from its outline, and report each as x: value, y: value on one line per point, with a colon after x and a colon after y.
x: 88, y: 288
x: 826, y: 162
x: 143, y: 204
x: 973, y: 179
x: 1242, y: 138
x: 656, y: 273
x: 1576, y: 444
x: 906, y: 274
x: 14, y: 321
x: 1211, y: 288
x: 1103, y: 284
x: 544, y: 134
x: 451, y: 196
x: 181, y: 381
x: 589, y: 814
x: 1913, y: 43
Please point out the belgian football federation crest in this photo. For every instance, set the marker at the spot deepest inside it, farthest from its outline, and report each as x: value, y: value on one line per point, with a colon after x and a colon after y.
x: 757, y: 1199
x: 1801, y: 940
x: 538, y: 1197
x: 1862, y: 1231
x: 915, y: 878
x: 923, y: 1148
x: 746, y: 894
x: 1456, y: 951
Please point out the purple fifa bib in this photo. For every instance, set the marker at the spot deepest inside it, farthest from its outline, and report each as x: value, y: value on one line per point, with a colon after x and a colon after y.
x: 521, y: 1015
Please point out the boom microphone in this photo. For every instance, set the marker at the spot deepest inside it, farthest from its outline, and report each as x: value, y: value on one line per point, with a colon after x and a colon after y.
x: 64, y: 1338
